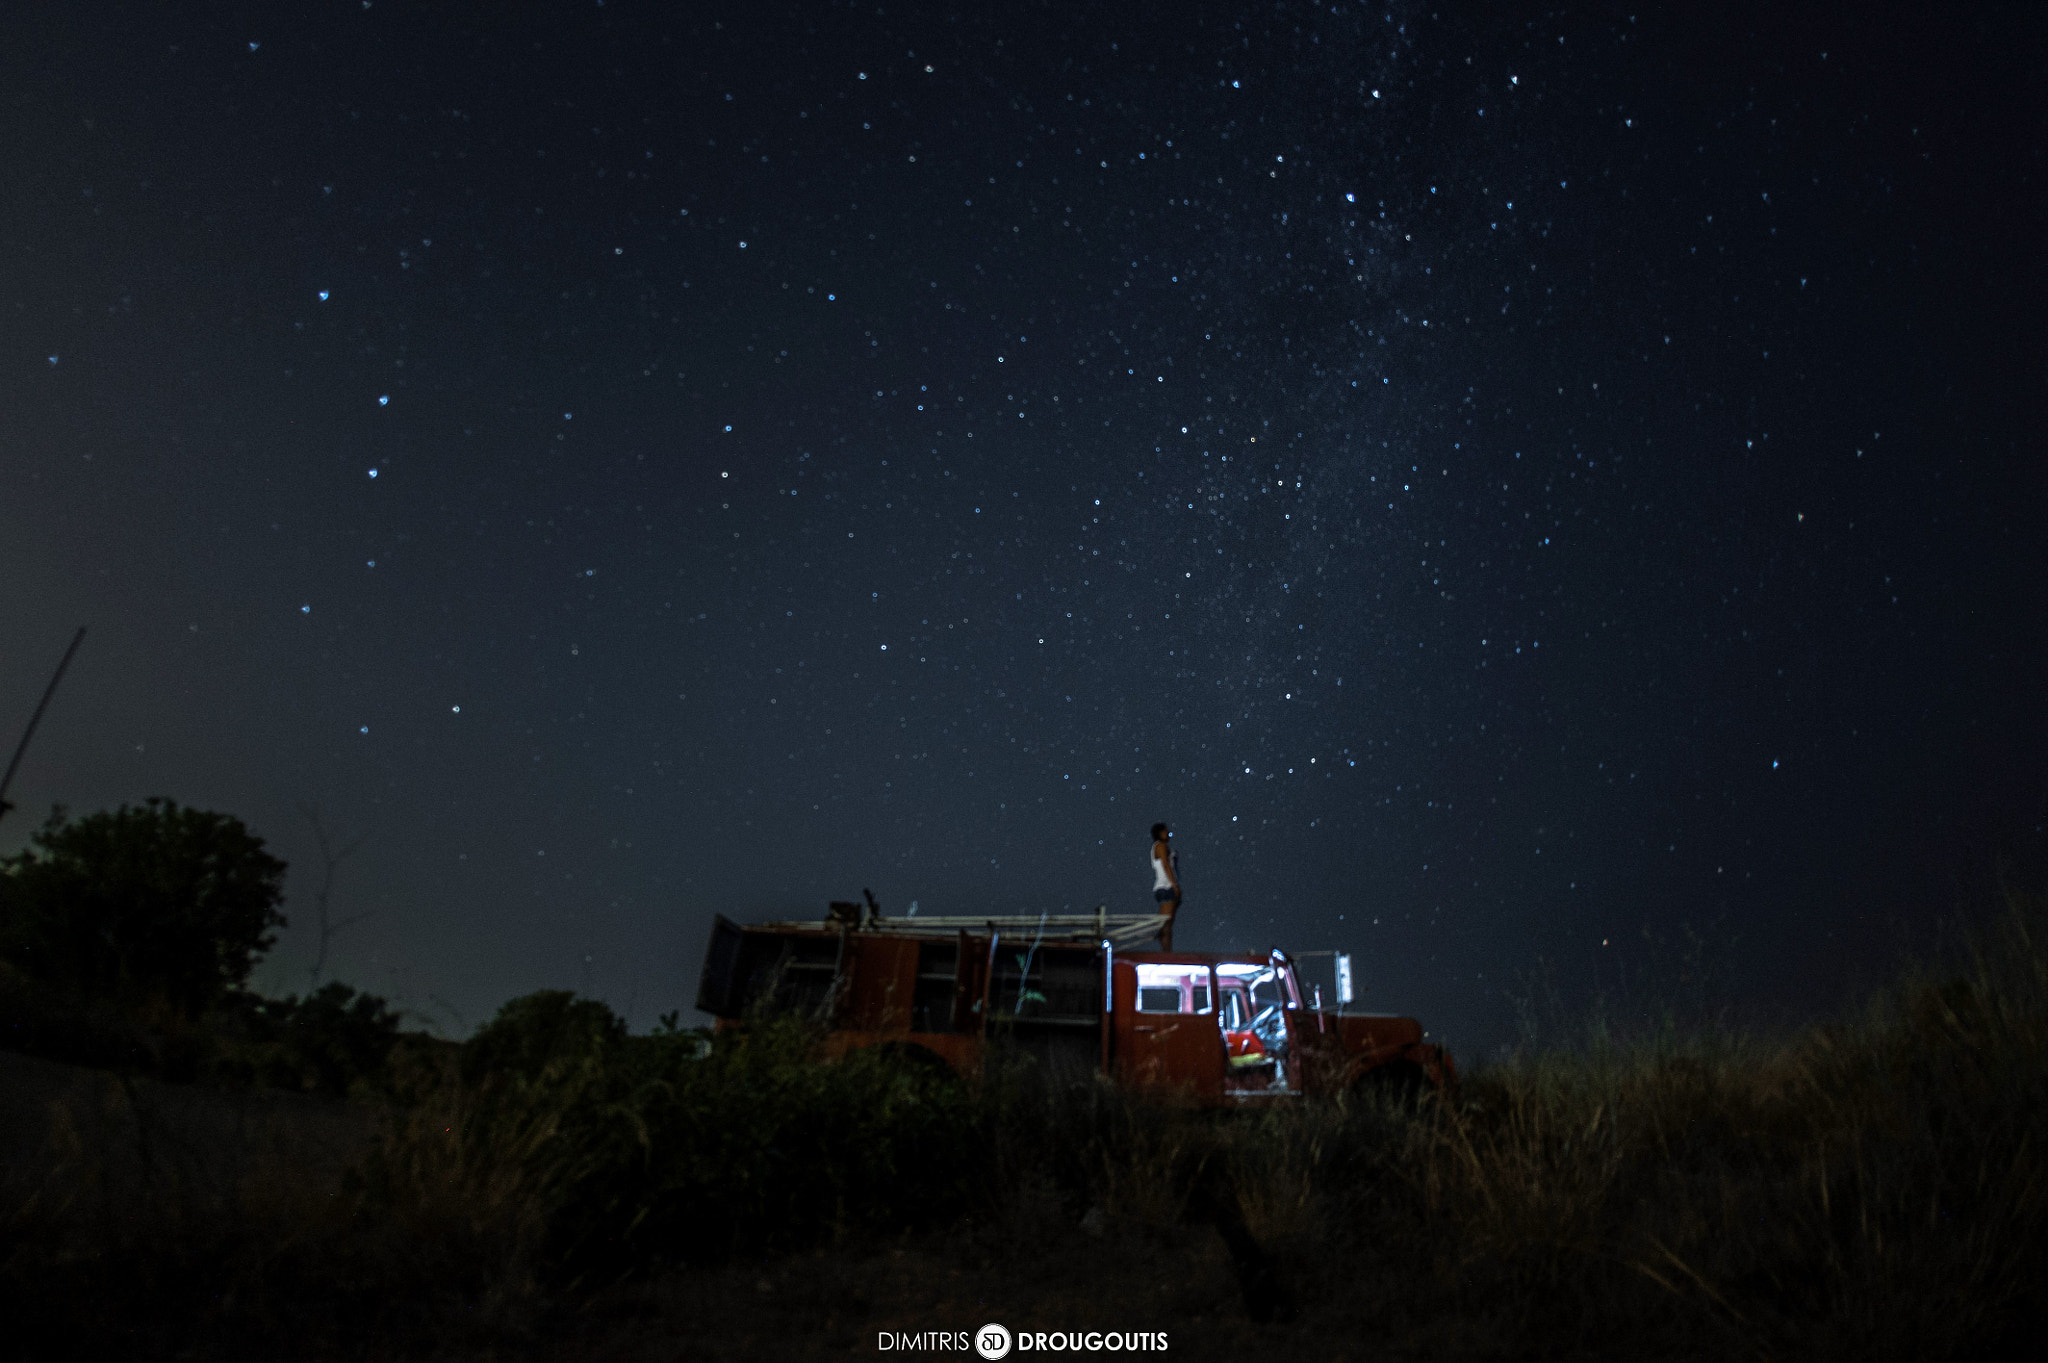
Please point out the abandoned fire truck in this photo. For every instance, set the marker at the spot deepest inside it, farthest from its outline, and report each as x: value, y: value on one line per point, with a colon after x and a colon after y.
x: 1076, y: 992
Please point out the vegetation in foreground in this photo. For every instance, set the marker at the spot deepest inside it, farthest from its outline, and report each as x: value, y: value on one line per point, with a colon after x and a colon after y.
x: 554, y: 1187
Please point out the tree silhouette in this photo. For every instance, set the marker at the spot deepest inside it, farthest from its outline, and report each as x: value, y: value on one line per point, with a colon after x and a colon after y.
x: 151, y: 906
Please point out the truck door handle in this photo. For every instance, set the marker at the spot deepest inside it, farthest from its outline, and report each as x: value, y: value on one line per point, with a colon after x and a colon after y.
x: 1144, y: 1028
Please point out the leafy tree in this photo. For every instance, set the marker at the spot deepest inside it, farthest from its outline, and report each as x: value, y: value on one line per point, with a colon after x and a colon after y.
x: 327, y: 1042
x: 151, y: 905
x: 340, y: 1035
x: 551, y: 1028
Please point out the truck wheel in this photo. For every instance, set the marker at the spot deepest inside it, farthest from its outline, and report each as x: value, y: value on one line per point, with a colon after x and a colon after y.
x: 1397, y: 1085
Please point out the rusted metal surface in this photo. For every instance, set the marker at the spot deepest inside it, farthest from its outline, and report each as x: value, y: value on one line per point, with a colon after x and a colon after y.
x: 1077, y: 993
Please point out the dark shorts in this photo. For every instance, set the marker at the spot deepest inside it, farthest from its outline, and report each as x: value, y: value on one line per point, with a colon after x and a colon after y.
x: 1164, y: 896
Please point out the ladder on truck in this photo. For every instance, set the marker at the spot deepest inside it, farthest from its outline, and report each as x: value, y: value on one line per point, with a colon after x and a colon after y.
x: 1121, y: 930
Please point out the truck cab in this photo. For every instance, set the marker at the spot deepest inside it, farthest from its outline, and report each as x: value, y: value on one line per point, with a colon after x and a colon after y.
x: 1234, y: 1028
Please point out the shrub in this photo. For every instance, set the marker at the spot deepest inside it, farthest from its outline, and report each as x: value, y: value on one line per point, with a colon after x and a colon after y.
x: 539, y: 1034
x: 335, y: 1041
x: 682, y: 1146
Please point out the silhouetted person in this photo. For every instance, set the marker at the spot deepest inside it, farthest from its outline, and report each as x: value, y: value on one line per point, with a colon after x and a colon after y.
x: 1165, y: 881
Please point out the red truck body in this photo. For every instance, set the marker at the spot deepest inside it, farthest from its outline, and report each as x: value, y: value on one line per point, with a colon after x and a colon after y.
x: 1080, y: 993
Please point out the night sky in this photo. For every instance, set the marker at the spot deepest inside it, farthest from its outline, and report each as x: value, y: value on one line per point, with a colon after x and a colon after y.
x: 1500, y: 487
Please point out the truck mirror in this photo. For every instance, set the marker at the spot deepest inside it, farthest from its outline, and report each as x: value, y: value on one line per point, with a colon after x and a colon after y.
x: 1344, y: 994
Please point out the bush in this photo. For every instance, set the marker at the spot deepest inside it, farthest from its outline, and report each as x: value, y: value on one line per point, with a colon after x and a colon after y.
x: 540, y: 1034
x: 682, y: 1146
x: 340, y: 1038
x: 335, y: 1041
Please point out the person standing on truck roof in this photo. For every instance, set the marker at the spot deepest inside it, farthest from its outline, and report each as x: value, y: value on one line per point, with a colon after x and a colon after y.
x: 1165, y: 881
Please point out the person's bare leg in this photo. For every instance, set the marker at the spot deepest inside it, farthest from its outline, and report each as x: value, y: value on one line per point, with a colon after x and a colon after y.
x: 1167, y: 910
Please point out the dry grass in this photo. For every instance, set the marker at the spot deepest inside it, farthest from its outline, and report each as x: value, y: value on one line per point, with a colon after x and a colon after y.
x: 1868, y: 1189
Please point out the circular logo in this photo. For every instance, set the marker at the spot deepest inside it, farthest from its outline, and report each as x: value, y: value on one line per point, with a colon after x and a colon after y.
x: 992, y: 1341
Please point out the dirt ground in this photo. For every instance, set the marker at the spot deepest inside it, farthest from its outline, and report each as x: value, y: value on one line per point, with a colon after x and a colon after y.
x: 91, y: 1141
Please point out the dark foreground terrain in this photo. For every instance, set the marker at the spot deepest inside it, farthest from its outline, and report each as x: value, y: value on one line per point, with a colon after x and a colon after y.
x: 556, y: 1189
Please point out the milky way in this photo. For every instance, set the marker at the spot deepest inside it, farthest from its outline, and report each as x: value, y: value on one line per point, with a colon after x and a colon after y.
x: 1544, y: 500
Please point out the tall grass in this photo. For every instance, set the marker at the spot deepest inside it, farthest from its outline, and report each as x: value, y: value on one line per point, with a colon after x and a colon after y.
x: 612, y: 1153
x: 1870, y: 1189
x: 1873, y: 1188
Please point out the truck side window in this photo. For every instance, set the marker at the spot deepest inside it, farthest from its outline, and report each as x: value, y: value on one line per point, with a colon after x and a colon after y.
x: 1173, y: 988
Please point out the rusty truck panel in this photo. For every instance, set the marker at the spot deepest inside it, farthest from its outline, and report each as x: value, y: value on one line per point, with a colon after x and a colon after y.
x: 1165, y: 1035
x: 1077, y: 994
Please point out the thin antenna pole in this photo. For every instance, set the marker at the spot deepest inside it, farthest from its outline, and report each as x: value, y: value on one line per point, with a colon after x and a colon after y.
x: 37, y: 718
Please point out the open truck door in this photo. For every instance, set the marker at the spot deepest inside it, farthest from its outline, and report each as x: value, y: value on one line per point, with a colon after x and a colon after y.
x: 1260, y: 1015
x: 1163, y: 1016
x: 718, y: 989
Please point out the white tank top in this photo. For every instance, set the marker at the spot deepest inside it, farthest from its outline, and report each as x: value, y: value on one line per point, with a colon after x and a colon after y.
x: 1160, y: 880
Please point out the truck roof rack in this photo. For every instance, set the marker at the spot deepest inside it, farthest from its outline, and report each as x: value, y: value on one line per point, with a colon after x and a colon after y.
x: 1121, y: 929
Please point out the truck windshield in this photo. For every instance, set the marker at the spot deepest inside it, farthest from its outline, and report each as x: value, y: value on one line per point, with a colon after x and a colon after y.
x: 1263, y: 979
x: 1267, y: 982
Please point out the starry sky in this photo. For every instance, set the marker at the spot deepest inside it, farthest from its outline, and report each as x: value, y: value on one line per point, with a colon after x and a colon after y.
x: 1552, y: 496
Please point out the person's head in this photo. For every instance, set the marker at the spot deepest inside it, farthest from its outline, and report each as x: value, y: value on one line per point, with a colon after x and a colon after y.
x: 1160, y: 832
